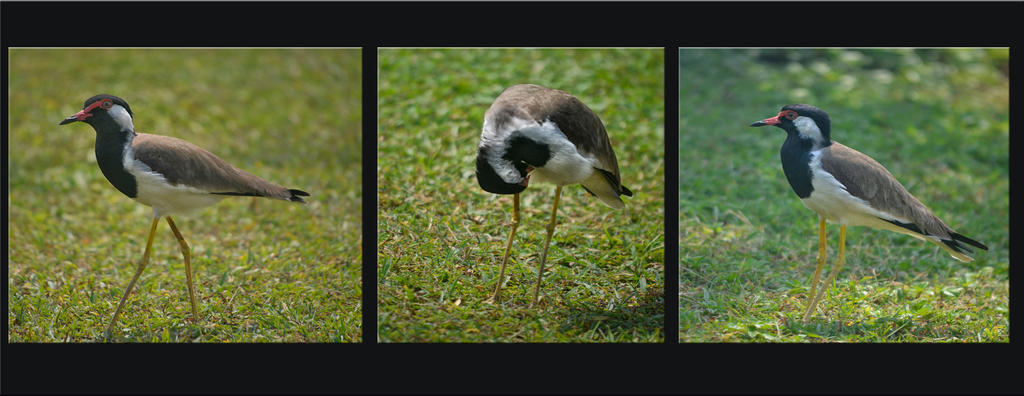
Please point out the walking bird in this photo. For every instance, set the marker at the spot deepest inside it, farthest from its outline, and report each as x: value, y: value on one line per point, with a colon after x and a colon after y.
x: 170, y: 175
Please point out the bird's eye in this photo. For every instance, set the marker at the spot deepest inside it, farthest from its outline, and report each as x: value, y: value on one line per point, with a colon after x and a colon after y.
x: 107, y: 104
x: 790, y: 115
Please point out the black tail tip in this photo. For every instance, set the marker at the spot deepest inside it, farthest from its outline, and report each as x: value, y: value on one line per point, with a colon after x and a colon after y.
x: 959, y: 244
x: 625, y: 191
x: 969, y: 241
x: 297, y: 194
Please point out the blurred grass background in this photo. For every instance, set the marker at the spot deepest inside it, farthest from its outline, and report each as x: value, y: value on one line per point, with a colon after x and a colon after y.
x: 264, y: 270
x: 938, y: 119
x: 441, y: 237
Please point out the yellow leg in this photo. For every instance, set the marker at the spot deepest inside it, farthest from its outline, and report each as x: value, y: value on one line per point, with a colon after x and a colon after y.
x: 822, y: 256
x: 508, y: 247
x: 547, y: 241
x: 186, y: 252
x: 138, y: 271
x: 835, y: 271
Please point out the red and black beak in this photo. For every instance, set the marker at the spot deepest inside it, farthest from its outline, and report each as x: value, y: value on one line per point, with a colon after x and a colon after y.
x: 768, y: 121
x: 79, y: 116
x: 86, y: 112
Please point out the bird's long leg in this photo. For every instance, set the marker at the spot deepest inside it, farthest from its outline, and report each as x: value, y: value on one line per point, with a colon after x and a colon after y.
x: 822, y: 256
x: 186, y: 252
x: 138, y: 271
x: 547, y: 242
x: 835, y: 270
x: 508, y: 246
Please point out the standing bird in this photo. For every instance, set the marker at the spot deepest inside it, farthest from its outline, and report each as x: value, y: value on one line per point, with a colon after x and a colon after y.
x: 170, y: 175
x: 842, y: 185
x: 547, y: 134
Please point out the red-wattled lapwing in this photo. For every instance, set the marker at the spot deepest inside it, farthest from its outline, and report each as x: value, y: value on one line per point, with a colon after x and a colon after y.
x: 549, y: 135
x: 170, y: 175
x: 842, y: 185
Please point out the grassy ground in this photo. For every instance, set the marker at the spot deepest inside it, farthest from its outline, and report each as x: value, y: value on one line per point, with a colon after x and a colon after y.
x: 937, y: 119
x: 441, y: 237
x: 265, y: 270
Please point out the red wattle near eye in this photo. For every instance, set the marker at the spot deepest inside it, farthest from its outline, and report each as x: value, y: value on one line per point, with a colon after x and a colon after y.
x: 87, y: 112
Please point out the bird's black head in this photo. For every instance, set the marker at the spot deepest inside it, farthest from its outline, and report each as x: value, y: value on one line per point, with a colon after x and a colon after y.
x: 803, y: 121
x: 505, y: 168
x: 102, y: 110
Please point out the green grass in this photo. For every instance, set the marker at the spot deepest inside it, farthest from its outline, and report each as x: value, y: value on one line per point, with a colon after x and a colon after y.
x: 265, y: 271
x: 937, y: 119
x: 441, y: 237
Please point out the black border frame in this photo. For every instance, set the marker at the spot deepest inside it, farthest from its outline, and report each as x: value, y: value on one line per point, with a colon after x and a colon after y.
x: 368, y: 367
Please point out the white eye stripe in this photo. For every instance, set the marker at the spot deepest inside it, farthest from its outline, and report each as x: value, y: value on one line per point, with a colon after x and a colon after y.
x: 121, y: 116
x: 809, y: 129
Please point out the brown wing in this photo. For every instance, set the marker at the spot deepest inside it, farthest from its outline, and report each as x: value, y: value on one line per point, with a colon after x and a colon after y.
x: 866, y: 179
x: 181, y: 162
